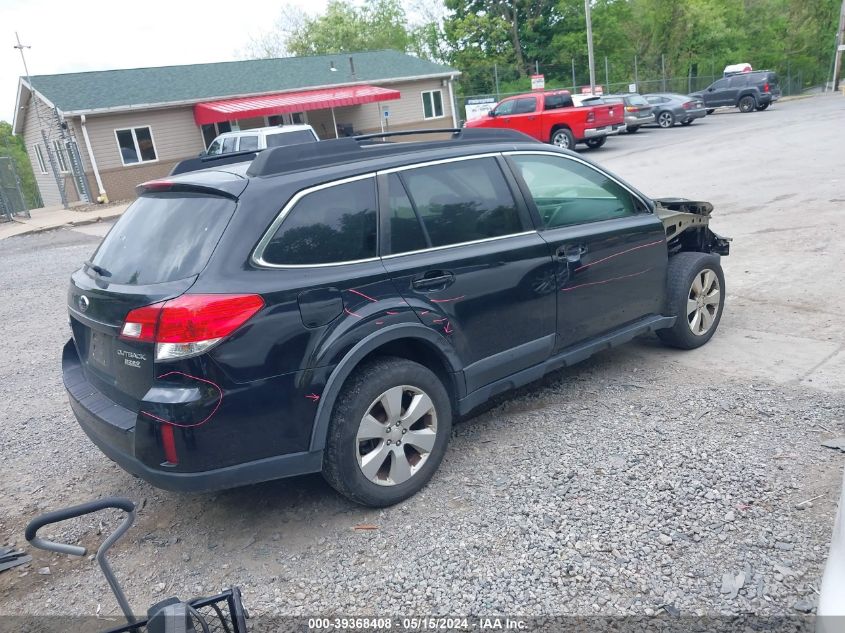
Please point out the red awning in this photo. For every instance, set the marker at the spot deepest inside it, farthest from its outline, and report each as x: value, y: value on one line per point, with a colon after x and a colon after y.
x: 234, y: 109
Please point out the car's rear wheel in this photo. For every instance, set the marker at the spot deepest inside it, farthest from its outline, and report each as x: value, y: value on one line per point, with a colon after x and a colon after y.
x: 632, y: 129
x: 665, y: 119
x: 388, y: 432
x: 695, y: 296
x: 711, y: 110
x: 595, y: 143
x: 562, y: 137
x: 746, y: 104
x: 763, y: 106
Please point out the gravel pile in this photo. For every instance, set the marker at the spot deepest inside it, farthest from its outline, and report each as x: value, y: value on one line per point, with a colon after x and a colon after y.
x: 622, y: 486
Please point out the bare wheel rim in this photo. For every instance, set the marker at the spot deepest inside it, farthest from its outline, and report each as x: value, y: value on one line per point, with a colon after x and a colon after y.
x: 665, y: 119
x: 703, y: 302
x: 561, y: 140
x: 396, y: 435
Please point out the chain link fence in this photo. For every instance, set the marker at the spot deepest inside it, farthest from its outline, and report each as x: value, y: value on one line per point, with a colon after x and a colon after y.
x: 495, y: 82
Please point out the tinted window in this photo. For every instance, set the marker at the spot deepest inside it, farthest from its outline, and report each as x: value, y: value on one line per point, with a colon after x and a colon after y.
x: 335, y: 224
x: 719, y: 85
x: 163, y: 237
x: 525, y: 106
x: 406, y: 232
x: 636, y: 100
x: 568, y: 192
x: 290, y: 138
x: 553, y: 102
x: 737, y: 81
x: 229, y: 144
x: 248, y: 143
x: 463, y: 201
x: 612, y: 100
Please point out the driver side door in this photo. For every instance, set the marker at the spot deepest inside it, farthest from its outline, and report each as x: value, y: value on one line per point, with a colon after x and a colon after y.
x: 609, y: 249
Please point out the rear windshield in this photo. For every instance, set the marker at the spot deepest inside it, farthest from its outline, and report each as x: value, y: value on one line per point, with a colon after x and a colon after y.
x: 290, y: 138
x: 637, y: 100
x: 163, y: 237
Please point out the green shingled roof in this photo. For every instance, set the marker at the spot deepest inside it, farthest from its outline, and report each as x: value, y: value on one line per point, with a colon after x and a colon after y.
x: 136, y: 86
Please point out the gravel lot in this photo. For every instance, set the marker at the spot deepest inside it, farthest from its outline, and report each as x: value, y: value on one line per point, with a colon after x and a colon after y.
x: 643, y: 481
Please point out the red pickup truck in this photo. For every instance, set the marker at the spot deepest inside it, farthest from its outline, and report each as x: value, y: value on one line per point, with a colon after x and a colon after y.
x: 553, y: 118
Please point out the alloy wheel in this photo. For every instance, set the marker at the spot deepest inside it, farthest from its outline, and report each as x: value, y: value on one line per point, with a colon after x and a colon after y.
x: 396, y: 435
x: 561, y: 139
x: 703, y: 302
x: 665, y: 119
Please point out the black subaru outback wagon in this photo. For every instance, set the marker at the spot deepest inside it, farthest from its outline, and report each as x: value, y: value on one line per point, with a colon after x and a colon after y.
x: 331, y: 306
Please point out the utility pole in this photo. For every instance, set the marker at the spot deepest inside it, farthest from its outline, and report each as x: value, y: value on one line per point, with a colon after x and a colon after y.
x: 47, y: 148
x: 840, y: 41
x: 591, y: 60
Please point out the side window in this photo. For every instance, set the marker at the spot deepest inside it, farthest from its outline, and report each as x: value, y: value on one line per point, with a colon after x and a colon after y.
x: 720, y: 85
x: 229, y: 144
x: 567, y: 192
x: 737, y: 81
x: 506, y: 107
x: 462, y: 201
x: 406, y: 232
x: 331, y: 225
x: 248, y: 143
x: 525, y: 106
x: 215, y: 148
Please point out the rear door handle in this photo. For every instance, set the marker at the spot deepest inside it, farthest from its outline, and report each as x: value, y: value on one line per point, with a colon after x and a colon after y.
x: 433, y: 280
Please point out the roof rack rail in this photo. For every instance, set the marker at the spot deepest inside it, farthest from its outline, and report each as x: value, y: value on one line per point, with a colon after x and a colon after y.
x: 278, y: 160
x: 217, y: 160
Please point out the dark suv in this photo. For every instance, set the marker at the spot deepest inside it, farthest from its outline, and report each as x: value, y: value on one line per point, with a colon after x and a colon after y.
x: 755, y: 90
x: 331, y: 306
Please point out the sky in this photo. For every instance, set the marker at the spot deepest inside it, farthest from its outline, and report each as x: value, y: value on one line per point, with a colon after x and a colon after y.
x: 106, y: 34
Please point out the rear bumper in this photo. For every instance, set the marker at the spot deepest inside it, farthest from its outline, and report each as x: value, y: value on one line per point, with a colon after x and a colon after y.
x: 607, y: 130
x: 691, y: 115
x: 636, y: 121
x: 115, y: 431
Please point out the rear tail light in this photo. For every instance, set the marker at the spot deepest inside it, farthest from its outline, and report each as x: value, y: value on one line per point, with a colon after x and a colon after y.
x: 591, y: 116
x: 632, y: 109
x: 190, y: 324
x: 688, y: 105
x: 765, y: 87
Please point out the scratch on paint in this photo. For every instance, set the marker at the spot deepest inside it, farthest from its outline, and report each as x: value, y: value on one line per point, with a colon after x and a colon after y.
x: 379, y: 322
x: 447, y: 300
x: 313, y: 397
x: 447, y: 329
x: 424, y: 312
x: 361, y: 294
x: 604, y: 259
x: 440, y: 320
x: 391, y: 313
x: 605, y: 281
x: 189, y: 426
x: 351, y: 313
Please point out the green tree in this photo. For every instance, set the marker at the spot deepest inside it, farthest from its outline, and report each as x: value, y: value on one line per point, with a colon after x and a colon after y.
x: 13, y: 146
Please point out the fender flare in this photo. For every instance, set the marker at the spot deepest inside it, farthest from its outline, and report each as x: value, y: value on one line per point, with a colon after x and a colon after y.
x: 349, y: 362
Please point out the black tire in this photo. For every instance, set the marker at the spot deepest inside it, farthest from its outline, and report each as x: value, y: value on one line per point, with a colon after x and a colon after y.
x: 562, y: 137
x: 711, y: 110
x: 689, y: 122
x: 596, y: 142
x: 683, y: 270
x: 340, y: 460
x: 763, y: 106
x: 747, y: 104
x: 665, y: 119
x: 633, y: 129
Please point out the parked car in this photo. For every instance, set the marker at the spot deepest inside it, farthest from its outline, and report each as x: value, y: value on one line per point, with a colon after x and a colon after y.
x: 747, y: 91
x: 638, y: 111
x: 553, y: 117
x: 331, y: 306
x: 671, y: 108
x: 261, y: 138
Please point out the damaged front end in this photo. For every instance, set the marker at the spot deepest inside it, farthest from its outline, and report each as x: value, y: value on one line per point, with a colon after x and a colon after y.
x: 687, y: 226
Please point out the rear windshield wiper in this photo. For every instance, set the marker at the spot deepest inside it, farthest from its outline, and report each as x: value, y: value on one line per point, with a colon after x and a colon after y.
x: 98, y: 269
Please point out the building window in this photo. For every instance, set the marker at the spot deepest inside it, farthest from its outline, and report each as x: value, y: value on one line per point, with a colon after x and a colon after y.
x: 432, y: 104
x: 211, y: 131
x: 61, y: 156
x: 39, y: 155
x: 136, y: 145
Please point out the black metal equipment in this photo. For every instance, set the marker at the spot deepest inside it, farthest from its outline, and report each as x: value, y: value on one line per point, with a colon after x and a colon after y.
x: 223, y: 613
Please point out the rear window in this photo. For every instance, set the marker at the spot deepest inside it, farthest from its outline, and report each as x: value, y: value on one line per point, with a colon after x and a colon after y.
x: 163, y: 237
x: 290, y: 138
x: 636, y: 100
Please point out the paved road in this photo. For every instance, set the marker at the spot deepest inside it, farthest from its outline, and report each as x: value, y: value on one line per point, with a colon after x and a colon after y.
x: 644, y: 477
